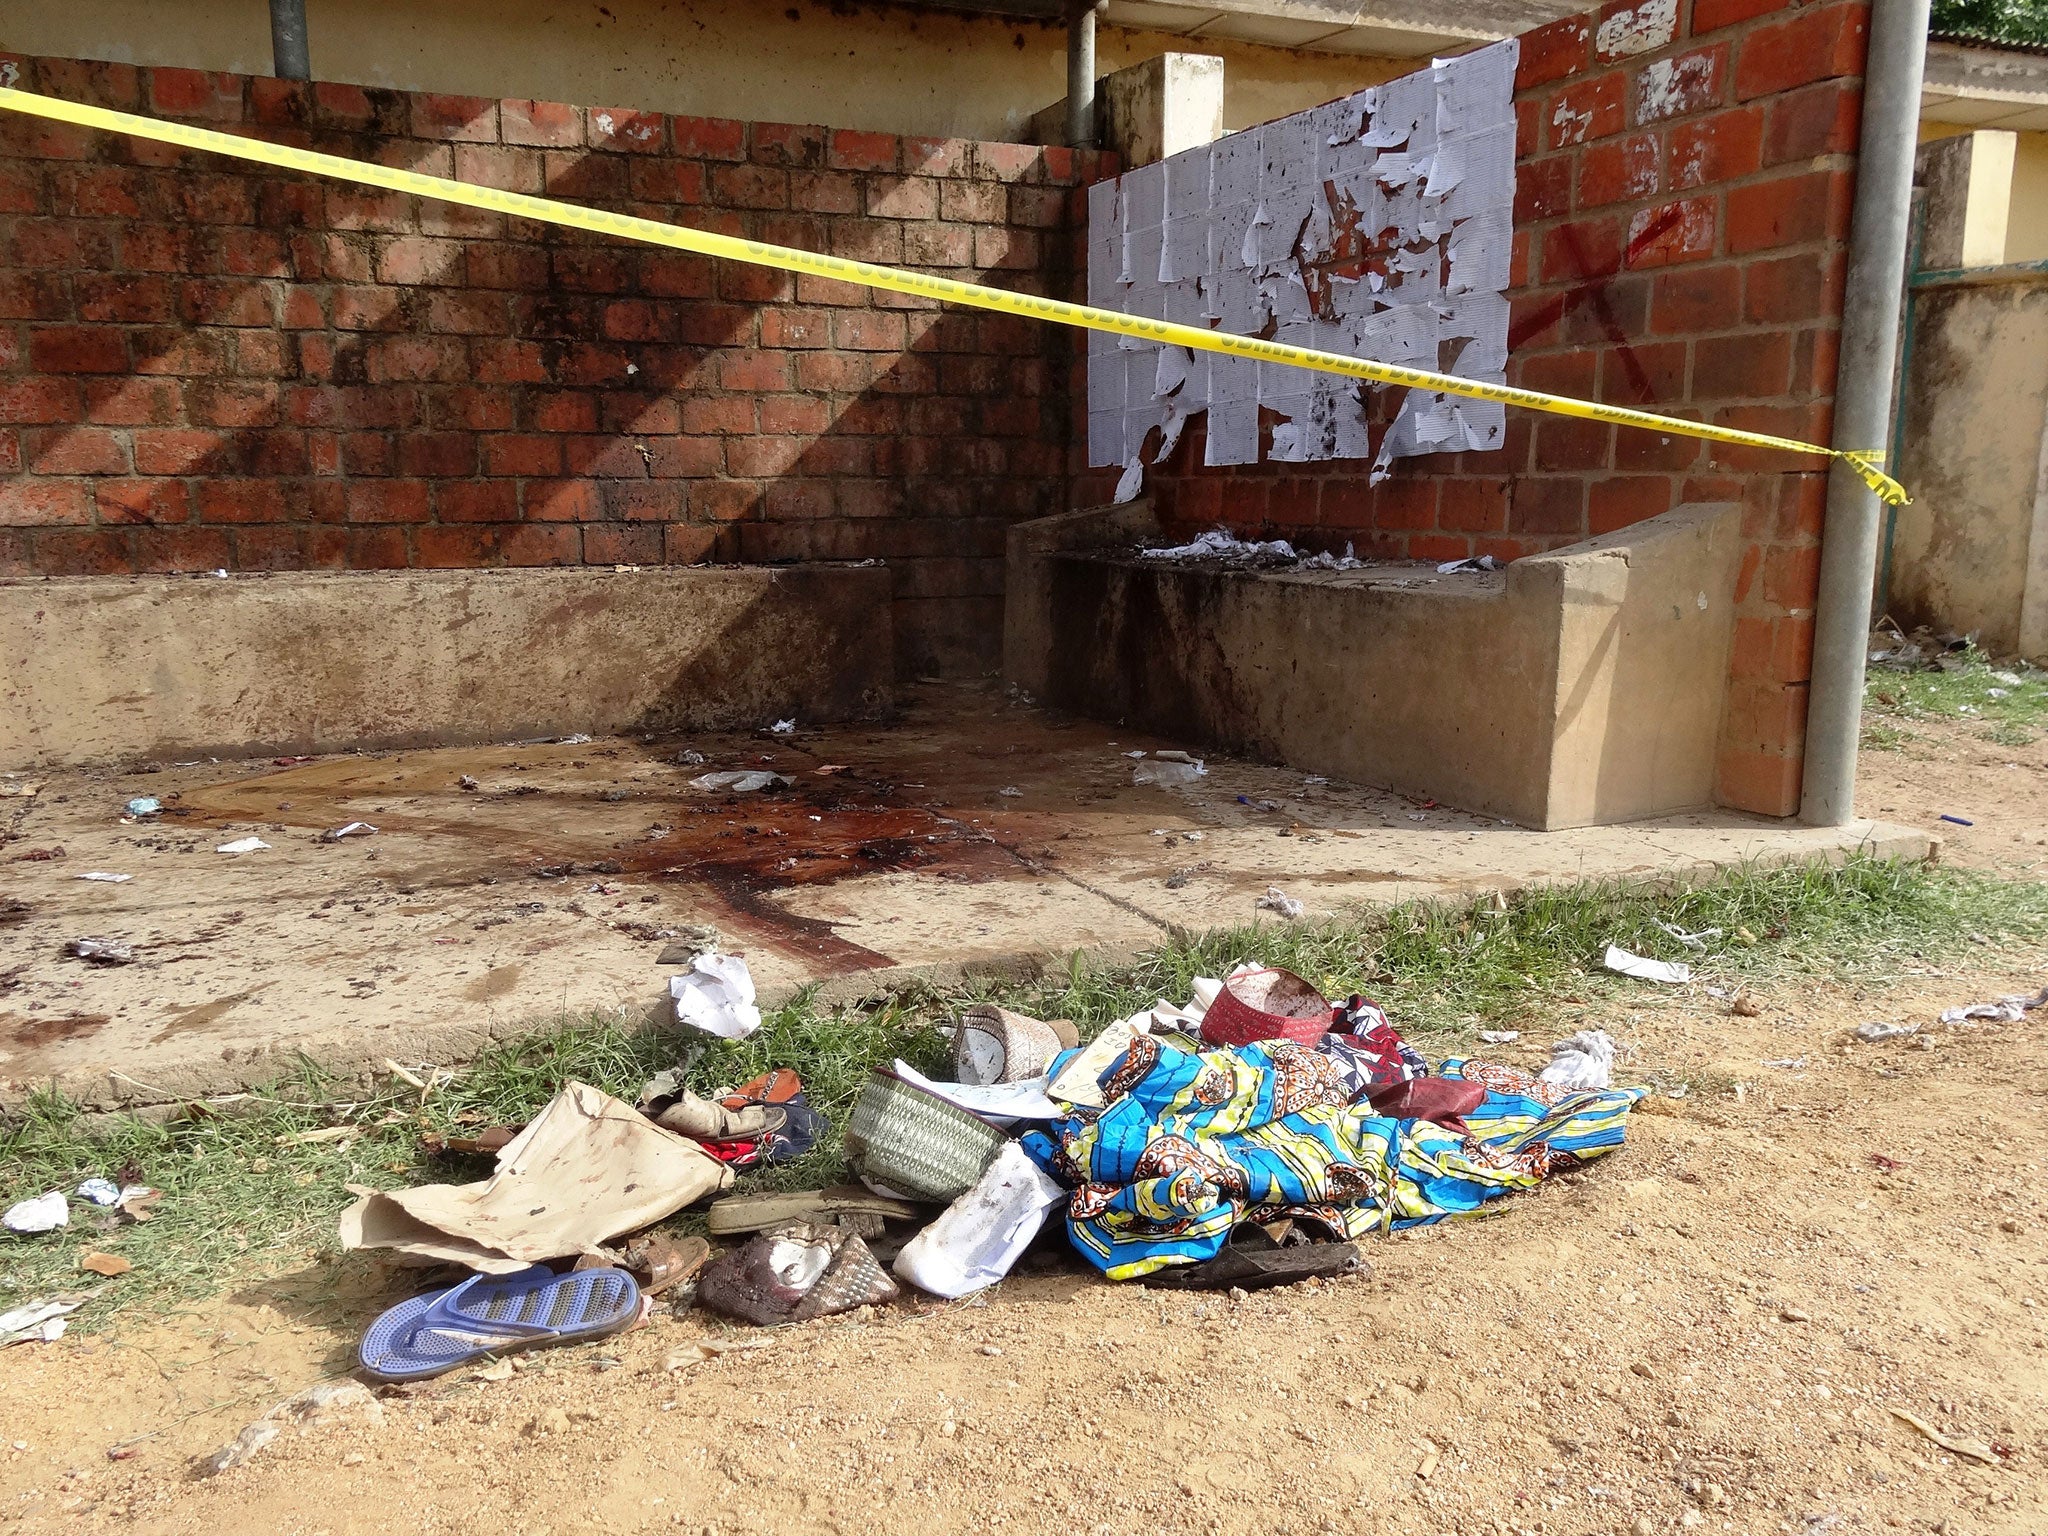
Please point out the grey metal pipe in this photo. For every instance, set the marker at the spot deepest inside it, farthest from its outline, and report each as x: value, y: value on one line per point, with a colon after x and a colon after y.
x: 288, y: 52
x: 1863, y: 403
x: 1081, y: 128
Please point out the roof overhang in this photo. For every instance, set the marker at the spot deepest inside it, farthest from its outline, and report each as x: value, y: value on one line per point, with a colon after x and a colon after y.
x: 1985, y: 87
x: 1398, y: 29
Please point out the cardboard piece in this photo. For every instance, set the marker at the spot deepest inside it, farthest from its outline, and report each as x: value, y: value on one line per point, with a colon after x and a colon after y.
x: 586, y: 1169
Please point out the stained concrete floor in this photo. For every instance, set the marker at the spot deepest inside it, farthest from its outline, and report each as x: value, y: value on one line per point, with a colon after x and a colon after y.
x: 969, y: 833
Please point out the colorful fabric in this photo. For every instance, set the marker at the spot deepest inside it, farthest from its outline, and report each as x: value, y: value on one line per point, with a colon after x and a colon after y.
x: 1366, y: 1044
x: 1188, y: 1145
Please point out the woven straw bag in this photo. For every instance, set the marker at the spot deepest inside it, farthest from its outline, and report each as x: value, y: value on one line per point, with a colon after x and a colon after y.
x: 916, y: 1144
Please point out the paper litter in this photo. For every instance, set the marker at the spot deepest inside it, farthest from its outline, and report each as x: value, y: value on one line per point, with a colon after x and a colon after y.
x: 1584, y: 1061
x: 1164, y: 769
x: 353, y: 829
x: 1277, y: 900
x: 716, y: 995
x: 242, y: 845
x: 1004, y: 1103
x: 1217, y: 544
x: 984, y: 1232
x: 586, y: 1169
x: 1078, y: 1082
x: 2005, y: 1010
x: 44, y: 1213
x: 741, y: 781
x: 1670, y: 972
x: 40, y: 1321
x: 102, y: 875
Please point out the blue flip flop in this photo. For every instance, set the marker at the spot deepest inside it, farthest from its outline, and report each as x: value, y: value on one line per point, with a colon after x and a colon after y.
x: 495, y: 1315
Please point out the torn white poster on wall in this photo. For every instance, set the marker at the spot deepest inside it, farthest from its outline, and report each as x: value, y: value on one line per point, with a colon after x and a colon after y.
x: 1379, y: 226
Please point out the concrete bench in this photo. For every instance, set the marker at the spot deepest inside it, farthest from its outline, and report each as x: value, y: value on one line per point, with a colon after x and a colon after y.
x: 1576, y: 688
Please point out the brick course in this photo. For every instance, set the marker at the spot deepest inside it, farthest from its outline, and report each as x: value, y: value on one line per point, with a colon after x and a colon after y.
x: 206, y: 365
x: 1680, y: 225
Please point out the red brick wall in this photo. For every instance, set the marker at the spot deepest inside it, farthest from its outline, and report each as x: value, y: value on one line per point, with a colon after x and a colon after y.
x: 1679, y: 249
x: 205, y: 364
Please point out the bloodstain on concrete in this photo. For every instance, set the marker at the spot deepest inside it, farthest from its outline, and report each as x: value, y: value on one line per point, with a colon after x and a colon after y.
x: 536, y: 814
x: 28, y: 1032
x: 182, y: 1020
x: 499, y: 981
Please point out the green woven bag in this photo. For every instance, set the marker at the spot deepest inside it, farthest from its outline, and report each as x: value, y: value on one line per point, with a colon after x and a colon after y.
x: 915, y: 1143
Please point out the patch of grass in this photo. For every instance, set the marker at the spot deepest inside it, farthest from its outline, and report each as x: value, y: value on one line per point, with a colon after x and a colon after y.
x: 1442, y: 970
x: 242, y: 1199
x: 2013, y: 697
x: 1880, y: 737
x: 2007, y: 734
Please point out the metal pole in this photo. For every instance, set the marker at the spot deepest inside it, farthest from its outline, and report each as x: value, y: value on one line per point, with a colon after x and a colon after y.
x: 1863, y: 399
x: 288, y: 40
x: 1081, y: 131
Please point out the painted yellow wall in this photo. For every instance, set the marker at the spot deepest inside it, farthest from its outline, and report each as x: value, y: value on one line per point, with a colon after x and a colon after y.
x: 845, y: 65
x: 2026, y: 229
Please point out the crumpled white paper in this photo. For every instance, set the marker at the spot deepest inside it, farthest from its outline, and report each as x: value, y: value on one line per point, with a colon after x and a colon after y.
x: 1277, y: 900
x: 45, y: 1213
x: 1004, y: 1103
x: 740, y: 781
x: 41, y: 1321
x: 717, y: 996
x: 2006, y: 1010
x: 981, y: 1234
x: 1586, y: 1060
x: 1670, y: 972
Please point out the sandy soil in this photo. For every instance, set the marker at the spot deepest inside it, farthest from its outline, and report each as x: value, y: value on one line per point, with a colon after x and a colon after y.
x: 1949, y: 768
x: 1713, y: 1329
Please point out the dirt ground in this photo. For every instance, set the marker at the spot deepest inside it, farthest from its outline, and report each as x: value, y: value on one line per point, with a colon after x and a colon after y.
x: 1716, y: 1328
x: 1950, y: 768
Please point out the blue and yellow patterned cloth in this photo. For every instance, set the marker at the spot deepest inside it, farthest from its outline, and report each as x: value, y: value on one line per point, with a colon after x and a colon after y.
x: 1188, y: 1145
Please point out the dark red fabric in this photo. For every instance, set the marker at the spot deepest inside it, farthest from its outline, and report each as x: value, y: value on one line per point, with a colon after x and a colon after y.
x: 1443, y: 1099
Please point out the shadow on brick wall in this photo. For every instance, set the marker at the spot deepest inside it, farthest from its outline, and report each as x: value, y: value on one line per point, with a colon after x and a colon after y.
x: 207, y: 366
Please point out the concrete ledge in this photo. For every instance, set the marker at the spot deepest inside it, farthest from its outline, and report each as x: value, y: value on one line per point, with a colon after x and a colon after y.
x: 1583, y: 687
x: 103, y: 668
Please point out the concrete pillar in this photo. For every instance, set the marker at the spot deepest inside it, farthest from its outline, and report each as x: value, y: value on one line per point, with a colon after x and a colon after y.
x: 1163, y: 106
x: 1151, y: 110
x: 1968, y: 183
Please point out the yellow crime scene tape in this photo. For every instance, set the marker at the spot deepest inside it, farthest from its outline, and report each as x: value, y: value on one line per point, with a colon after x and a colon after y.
x: 1865, y: 462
